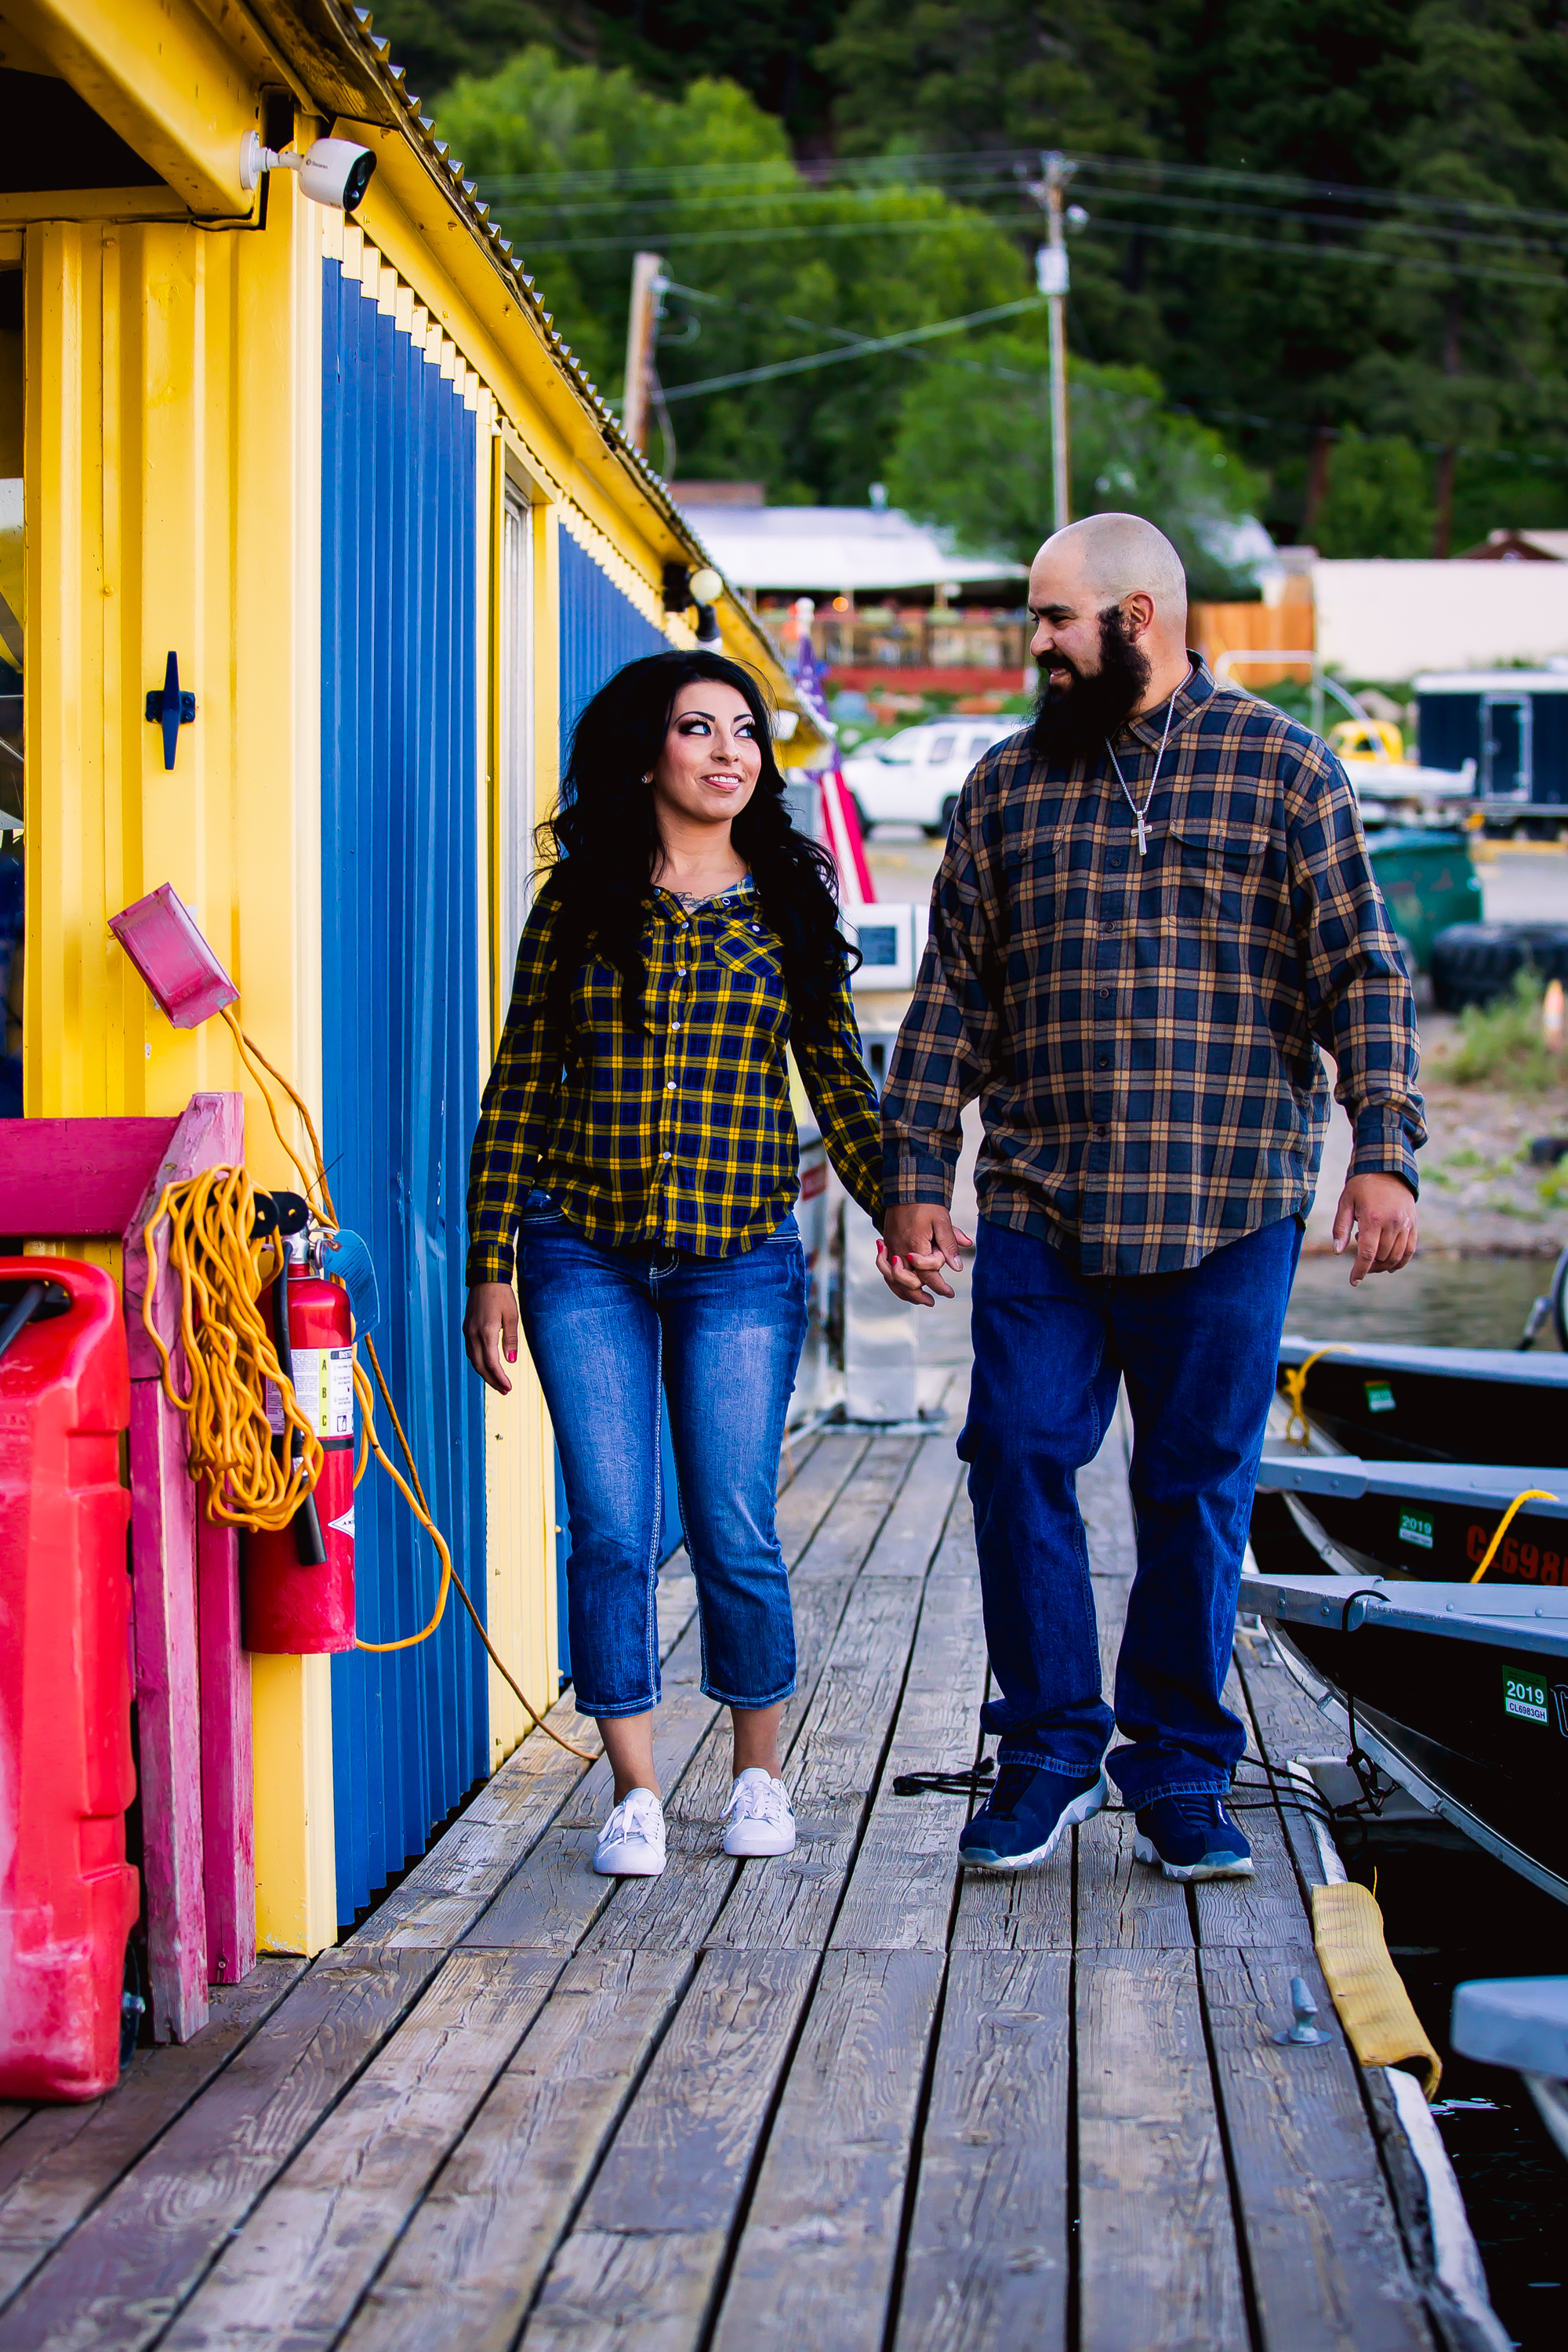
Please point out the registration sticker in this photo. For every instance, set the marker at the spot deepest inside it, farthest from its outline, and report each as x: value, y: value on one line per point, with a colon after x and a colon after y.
x: 1414, y: 1530
x: 1379, y: 1397
x: 1524, y: 1696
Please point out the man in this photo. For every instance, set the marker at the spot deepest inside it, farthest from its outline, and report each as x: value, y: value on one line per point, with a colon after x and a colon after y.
x: 1155, y: 902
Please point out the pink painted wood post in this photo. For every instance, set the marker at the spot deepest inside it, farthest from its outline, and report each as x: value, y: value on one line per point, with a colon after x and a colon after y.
x: 74, y: 1176
x: 227, y: 1788
x: 163, y: 1549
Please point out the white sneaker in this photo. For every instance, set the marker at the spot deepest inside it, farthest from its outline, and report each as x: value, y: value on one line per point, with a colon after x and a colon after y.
x: 759, y: 1818
x: 631, y: 1843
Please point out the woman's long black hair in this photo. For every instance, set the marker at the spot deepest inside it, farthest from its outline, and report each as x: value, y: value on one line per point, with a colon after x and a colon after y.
x: 600, y: 848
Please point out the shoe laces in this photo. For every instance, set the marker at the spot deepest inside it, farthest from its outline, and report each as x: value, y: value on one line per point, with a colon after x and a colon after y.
x: 758, y: 1797
x: 1200, y: 1809
x: 1012, y: 1782
x: 637, y: 1815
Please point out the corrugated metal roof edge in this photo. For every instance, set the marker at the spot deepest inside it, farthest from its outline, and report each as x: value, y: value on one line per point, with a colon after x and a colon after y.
x: 378, y: 77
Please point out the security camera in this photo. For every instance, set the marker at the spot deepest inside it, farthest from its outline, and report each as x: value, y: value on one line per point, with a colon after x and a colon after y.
x: 331, y: 170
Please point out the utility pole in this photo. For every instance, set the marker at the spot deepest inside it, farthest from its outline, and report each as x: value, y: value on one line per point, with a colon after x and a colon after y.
x: 1051, y: 276
x: 642, y: 327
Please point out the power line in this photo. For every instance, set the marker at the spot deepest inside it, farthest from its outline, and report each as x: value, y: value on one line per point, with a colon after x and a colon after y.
x: 861, y: 350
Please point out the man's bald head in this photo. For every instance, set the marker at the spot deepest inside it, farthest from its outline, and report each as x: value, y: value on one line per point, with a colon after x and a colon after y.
x: 1109, y: 601
x: 1114, y: 556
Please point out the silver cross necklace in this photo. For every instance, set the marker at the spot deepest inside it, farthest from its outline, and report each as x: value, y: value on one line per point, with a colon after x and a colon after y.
x: 1141, y: 814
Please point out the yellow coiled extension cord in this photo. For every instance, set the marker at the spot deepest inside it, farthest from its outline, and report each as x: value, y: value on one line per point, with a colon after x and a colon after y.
x: 221, y: 1270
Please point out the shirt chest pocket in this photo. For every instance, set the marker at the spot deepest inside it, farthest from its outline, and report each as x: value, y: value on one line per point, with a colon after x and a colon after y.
x: 747, y: 957
x: 1032, y: 872
x: 1216, y: 879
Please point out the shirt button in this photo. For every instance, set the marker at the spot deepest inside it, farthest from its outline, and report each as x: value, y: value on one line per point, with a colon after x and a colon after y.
x: 1104, y: 993
x: 1102, y: 1131
x: 670, y: 1088
x: 1118, y: 860
x: 1105, y: 1061
x: 675, y: 1025
x: 664, y: 1155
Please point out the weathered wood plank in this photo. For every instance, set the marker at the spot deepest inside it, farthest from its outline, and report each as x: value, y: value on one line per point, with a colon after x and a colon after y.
x: 1285, y: 1724
x: 986, y: 2267
x: 210, y: 1132
x: 1123, y: 1904
x: 13, y: 2116
x: 846, y: 1535
x: 446, y: 1891
x: 815, y: 2258
x: 790, y: 1904
x: 1158, y: 2267
x: 675, y: 1913
x: 62, y: 2160
x: 913, y: 1529
x: 815, y: 1487
x: 900, y: 1893
x: 552, y: 1897
x: 1266, y: 1908
x: 638, y: 2267
x: 228, y: 1778
x: 168, y: 1713
x: 1327, y: 2264
x: 296, y: 2270
x: 466, y: 2269
x: 124, y: 2273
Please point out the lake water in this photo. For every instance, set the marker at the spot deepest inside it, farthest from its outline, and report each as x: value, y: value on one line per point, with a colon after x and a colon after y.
x: 1466, y: 1302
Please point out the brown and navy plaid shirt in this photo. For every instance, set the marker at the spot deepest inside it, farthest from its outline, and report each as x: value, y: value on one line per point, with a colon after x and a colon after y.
x: 681, y: 1133
x: 1140, y: 1030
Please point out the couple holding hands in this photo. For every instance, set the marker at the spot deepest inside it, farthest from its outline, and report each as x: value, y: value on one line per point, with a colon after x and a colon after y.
x: 1155, y: 905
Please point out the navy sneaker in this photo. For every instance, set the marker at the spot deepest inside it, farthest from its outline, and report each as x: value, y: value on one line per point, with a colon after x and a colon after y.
x: 1193, y: 1837
x: 1022, y: 1818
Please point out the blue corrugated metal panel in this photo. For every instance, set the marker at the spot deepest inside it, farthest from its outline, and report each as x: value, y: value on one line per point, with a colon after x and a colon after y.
x: 400, y: 1024
x: 601, y: 629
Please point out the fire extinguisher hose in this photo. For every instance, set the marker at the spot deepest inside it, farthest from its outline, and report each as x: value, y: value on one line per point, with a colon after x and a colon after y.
x: 221, y: 1271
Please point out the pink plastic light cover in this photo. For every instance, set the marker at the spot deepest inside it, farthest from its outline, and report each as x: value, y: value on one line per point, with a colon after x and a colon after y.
x: 160, y: 937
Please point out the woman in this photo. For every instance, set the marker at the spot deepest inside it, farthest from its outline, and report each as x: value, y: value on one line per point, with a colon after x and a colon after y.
x: 636, y: 1136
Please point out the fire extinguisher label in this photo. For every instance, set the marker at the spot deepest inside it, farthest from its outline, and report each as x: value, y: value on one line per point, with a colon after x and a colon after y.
x: 275, y: 1408
x: 324, y: 1389
x: 343, y: 1526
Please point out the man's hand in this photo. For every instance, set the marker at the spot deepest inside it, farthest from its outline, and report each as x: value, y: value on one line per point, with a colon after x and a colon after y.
x: 490, y: 1332
x: 1382, y: 1211
x: 918, y: 1240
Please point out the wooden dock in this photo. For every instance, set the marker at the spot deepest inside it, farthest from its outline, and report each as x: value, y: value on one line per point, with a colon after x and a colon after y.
x: 851, y: 2099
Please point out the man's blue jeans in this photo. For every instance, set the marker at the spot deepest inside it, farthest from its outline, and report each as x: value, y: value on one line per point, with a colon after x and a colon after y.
x: 606, y: 1327
x: 1198, y: 1350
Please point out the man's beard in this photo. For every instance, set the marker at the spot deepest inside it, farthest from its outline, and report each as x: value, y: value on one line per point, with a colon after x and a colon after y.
x: 1073, y: 722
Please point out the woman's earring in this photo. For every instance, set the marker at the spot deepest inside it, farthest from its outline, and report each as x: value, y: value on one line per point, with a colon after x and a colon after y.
x: 649, y: 778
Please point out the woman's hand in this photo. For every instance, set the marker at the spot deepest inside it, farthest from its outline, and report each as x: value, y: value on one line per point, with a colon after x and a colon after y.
x: 490, y: 1332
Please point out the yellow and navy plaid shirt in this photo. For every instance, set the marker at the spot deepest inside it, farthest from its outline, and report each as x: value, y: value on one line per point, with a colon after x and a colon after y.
x: 682, y: 1135
x: 1140, y: 1030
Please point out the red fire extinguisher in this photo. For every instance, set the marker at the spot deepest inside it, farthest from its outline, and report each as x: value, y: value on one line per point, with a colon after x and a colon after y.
x: 299, y: 1583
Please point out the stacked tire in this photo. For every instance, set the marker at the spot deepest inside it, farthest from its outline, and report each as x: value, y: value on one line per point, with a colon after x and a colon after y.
x: 1475, y: 963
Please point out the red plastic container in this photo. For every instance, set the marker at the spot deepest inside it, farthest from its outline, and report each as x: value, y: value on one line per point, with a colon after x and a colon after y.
x: 290, y: 1609
x: 69, y: 1899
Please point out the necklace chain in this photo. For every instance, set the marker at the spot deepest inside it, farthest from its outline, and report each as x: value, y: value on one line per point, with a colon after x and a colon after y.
x: 1141, y: 814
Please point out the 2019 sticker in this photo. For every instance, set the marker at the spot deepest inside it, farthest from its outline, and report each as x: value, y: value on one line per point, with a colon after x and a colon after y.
x: 1525, y: 1696
x: 1379, y: 1397
x: 1415, y: 1529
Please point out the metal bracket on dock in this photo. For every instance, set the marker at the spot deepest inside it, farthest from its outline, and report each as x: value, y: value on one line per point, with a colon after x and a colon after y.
x: 1302, y: 2029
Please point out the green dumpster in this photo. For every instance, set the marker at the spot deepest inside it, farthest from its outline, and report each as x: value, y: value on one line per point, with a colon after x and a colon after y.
x: 1427, y: 882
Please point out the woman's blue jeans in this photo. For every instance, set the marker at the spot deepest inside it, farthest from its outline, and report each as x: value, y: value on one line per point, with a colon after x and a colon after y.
x: 1198, y: 1350
x: 723, y: 1336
